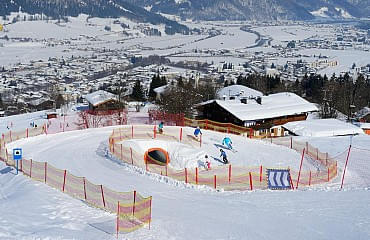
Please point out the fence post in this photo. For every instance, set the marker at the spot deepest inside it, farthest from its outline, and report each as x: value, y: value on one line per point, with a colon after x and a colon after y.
x: 31, y: 169
x: 186, y: 175
x: 309, y: 180
x: 291, y: 142
x: 155, y: 131
x: 180, y: 134
x: 27, y: 132
x: 196, y: 175
x: 117, y: 225
x: 132, y: 131
x: 21, y: 165
x: 328, y: 173
x: 300, y: 168
x: 261, y: 173
x: 150, y: 209
x: 133, y: 206
x: 64, y: 179
x: 229, y: 173
x: 132, y: 159
x: 102, y: 195
x: 250, y: 181
x: 121, y: 151
x: 85, y: 188
x: 215, y: 181
x: 46, y: 167
x: 206, y: 124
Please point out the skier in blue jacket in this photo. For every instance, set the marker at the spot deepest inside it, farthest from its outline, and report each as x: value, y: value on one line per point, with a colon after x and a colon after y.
x: 160, y: 127
x: 227, y: 141
x: 197, y: 132
x: 224, y: 157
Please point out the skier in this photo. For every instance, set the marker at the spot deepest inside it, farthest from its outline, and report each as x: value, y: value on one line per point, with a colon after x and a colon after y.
x: 160, y: 127
x: 224, y: 157
x: 207, y: 164
x: 227, y: 141
x: 197, y: 132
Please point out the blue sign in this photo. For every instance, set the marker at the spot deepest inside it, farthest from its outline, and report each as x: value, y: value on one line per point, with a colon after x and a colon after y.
x: 17, y: 154
x: 278, y: 179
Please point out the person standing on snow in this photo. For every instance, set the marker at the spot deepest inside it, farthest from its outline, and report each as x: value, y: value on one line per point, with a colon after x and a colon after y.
x: 224, y: 157
x: 160, y: 127
x: 227, y: 141
x: 207, y: 164
x: 197, y: 132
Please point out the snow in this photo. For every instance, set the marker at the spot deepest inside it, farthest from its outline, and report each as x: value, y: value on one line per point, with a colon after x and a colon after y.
x: 322, y: 128
x: 322, y: 12
x: 236, y: 90
x: 274, y: 105
x: 31, y: 210
x: 99, y: 97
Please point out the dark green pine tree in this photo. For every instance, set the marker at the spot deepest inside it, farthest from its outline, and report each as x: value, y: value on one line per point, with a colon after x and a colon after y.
x: 137, y: 92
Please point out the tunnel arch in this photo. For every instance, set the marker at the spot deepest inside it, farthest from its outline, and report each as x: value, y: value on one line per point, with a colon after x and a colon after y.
x: 157, y: 155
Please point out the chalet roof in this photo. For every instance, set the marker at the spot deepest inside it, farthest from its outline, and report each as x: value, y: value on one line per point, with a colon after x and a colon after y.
x: 236, y: 90
x: 272, y: 106
x: 99, y: 97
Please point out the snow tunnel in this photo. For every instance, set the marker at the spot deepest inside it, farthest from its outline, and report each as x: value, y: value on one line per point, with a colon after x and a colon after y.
x: 157, y: 155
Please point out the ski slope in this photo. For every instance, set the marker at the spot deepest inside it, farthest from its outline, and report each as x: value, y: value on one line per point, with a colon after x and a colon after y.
x: 180, y: 211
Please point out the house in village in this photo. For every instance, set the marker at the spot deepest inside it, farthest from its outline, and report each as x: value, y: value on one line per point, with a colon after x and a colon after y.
x: 265, y: 114
x: 102, y: 100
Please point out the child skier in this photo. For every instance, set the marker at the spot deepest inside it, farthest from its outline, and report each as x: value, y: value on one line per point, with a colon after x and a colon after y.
x: 224, y: 157
x: 197, y: 132
x: 160, y: 127
x: 207, y: 164
x: 227, y: 141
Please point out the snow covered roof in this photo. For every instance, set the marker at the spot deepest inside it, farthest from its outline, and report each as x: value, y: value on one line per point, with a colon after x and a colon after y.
x: 363, y: 112
x: 322, y: 128
x: 99, y: 97
x: 160, y: 89
x: 272, y: 106
x: 238, y: 91
x: 364, y: 125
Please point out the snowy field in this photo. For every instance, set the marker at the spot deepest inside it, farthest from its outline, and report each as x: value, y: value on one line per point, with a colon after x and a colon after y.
x: 31, y: 210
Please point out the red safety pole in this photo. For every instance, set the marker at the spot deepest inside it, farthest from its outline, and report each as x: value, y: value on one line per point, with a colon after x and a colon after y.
x: 229, y: 173
x: 250, y: 181
x: 46, y: 167
x: 300, y: 168
x: 215, y: 181
x: 27, y: 132
x: 85, y: 188
x: 328, y: 173
x: 186, y: 175
x: 117, y: 225
x: 291, y: 181
x: 64, y: 179
x: 166, y: 170
x: 180, y: 134
x: 261, y: 173
x: 121, y: 151
x: 132, y: 131
x: 133, y: 207
x: 196, y: 175
x: 21, y: 165
x: 309, y: 180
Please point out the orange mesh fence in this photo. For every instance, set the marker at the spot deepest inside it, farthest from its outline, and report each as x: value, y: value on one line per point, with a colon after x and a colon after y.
x: 81, y: 188
x: 227, y: 177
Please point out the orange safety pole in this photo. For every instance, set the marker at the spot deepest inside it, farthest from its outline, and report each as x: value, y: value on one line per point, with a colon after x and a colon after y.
x: 328, y: 173
x: 46, y: 167
x: 133, y: 206
x: 102, y: 195
x: 196, y: 175
x: 309, y: 180
x: 300, y: 168
x: 229, y: 173
x: 261, y: 173
x: 132, y: 131
x: 27, y: 132
x: 250, y: 181
x: 186, y: 175
x: 215, y: 181
x: 166, y: 170
x: 64, y: 179
x: 180, y: 134
x: 117, y: 225
x: 155, y: 131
